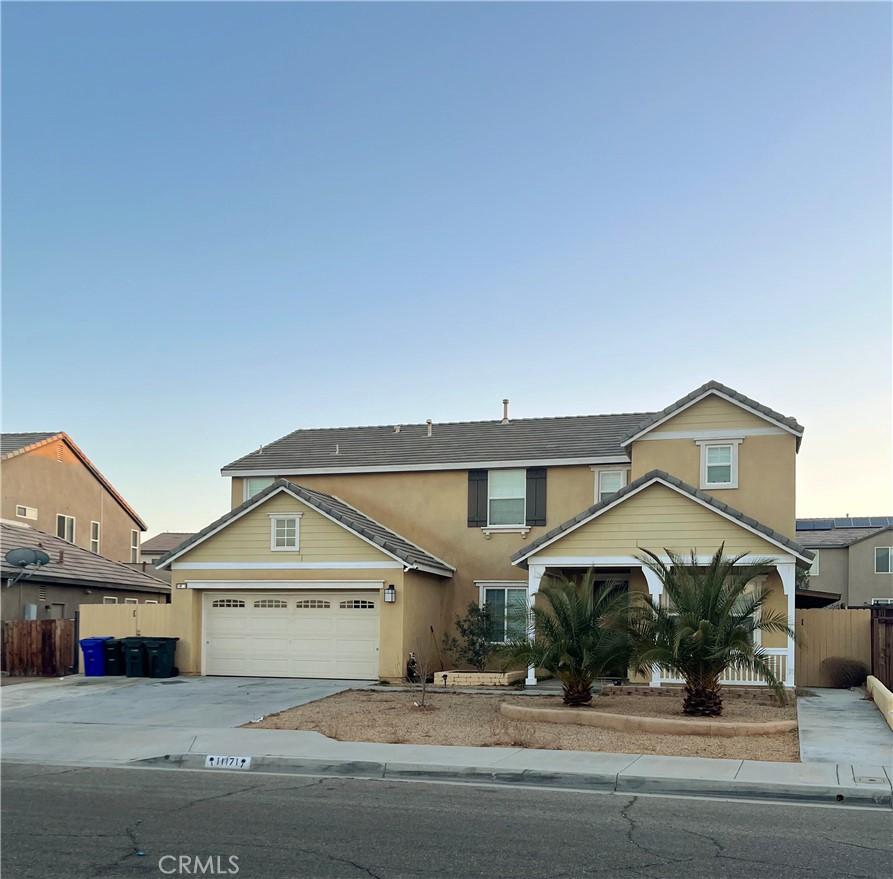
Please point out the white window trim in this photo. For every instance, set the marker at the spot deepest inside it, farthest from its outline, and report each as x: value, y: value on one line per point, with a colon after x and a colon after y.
x: 27, y: 512
x: 109, y: 599
x: 484, y: 585
x: 274, y: 517
x: 509, y: 527
x: 98, y: 539
x: 131, y: 601
x: 151, y: 601
x: 74, y: 527
x: 624, y: 479
x: 815, y: 569
x: 134, y: 546
x: 706, y: 444
x: 247, y: 479
x: 881, y: 602
x: 889, y: 560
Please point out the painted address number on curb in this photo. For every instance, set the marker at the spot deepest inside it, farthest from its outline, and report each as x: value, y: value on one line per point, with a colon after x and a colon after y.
x: 217, y: 761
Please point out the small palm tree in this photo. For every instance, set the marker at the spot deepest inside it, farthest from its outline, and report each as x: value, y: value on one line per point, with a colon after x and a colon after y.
x: 566, y: 635
x: 707, y: 625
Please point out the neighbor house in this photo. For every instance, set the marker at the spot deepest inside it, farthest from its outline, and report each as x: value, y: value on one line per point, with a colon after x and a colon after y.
x: 72, y: 577
x: 50, y: 484
x: 853, y: 564
x: 156, y: 547
x: 347, y: 548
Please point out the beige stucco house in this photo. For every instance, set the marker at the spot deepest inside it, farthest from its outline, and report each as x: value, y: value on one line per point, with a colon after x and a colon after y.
x: 347, y: 548
x: 48, y: 483
x: 853, y: 563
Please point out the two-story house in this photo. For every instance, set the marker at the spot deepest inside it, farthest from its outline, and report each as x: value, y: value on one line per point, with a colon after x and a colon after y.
x: 347, y: 548
x: 853, y: 563
x: 50, y: 484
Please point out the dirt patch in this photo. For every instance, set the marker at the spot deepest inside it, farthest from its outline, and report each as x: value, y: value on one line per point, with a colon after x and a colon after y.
x: 461, y: 719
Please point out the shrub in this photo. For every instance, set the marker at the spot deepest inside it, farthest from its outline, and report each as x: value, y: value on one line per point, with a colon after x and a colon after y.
x: 473, y: 646
x: 843, y: 672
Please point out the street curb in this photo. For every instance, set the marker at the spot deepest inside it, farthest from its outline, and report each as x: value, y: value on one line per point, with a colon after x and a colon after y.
x: 842, y: 795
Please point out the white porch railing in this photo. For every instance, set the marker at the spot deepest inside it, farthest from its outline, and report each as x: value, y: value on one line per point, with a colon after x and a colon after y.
x: 777, y: 658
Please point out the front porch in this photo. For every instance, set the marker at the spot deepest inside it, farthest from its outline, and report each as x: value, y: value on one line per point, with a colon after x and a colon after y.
x: 640, y: 578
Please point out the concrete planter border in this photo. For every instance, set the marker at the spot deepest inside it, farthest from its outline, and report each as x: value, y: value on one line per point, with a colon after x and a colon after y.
x: 636, y: 723
x: 447, y: 679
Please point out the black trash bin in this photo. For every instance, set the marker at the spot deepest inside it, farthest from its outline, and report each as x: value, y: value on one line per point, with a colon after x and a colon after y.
x: 114, y: 657
x: 135, y: 665
x: 160, y: 656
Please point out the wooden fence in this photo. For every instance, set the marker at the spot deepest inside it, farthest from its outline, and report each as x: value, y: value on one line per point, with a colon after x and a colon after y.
x: 38, y: 647
x: 822, y: 633
x: 882, y: 645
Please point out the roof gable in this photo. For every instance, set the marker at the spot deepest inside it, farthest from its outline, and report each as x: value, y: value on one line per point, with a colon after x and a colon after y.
x: 653, y: 477
x: 717, y: 389
x: 335, y: 510
x: 14, y: 444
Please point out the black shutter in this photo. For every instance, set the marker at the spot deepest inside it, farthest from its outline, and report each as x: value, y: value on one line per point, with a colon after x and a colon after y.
x: 477, y: 498
x: 536, y: 495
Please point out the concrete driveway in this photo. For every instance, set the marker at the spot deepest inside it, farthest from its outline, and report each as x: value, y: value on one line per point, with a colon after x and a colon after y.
x: 99, y: 720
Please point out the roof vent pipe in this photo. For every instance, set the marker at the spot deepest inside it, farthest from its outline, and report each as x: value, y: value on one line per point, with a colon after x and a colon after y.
x: 337, y: 449
x: 428, y: 422
x: 505, y: 411
x: 396, y: 428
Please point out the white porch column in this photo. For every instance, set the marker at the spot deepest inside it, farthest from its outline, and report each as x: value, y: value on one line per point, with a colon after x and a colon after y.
x: 655, y: 589
x: 788, y: 573
x: 534, y: 575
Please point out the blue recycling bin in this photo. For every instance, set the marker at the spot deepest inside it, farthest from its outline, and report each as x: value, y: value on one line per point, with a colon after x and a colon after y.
x: 94, y: 656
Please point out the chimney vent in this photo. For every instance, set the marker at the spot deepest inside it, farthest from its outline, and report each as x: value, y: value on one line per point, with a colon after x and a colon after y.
x: 396, y: 428
x: 505, y: 411
x: 428, y: 422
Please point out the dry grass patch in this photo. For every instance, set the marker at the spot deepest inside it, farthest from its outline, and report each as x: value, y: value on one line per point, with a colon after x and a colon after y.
x: 462, y: 719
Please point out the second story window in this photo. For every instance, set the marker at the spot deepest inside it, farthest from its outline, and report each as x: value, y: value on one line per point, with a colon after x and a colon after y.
x: 609, y: 483
x: 94, y: 537
x: 24, y: 512
x: 285, y: 529
x: 256, y: 484
x: 507, y: 497
x: 883, y: 560
x: 65, y: 527
x: 134, y: 546
x: 719, y: 464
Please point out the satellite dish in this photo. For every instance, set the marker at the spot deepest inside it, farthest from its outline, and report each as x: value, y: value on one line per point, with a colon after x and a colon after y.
x: 24, y: 557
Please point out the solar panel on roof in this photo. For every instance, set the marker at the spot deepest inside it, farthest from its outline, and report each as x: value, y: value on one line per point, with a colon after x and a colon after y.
x: 841, y: 523
x: 861, y: 522
x: 881, y: 521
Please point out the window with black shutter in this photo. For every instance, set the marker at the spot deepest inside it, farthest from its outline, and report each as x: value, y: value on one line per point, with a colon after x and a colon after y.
x: 477, y: 498
x: 536, y: 495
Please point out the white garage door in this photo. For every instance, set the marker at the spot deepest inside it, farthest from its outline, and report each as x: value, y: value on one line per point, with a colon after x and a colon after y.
x: 292, y: 634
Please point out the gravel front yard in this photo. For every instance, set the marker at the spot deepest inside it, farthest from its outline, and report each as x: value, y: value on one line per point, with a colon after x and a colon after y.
x: 461, y: 719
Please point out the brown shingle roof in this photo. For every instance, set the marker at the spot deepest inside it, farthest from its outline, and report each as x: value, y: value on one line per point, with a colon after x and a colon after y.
x: 70, y: 564
x: 465, y: 442
x: 165, y: 542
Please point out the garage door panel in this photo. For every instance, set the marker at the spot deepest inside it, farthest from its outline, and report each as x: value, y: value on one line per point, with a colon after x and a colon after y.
x: 279, y: 634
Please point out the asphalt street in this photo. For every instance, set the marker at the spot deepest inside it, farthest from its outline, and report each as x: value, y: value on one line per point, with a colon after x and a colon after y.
x: 93, y: 822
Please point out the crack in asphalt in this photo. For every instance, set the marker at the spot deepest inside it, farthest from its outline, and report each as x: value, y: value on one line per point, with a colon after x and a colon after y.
x: 223, y: 796
x: 633, y: 828
x: 335, y: 859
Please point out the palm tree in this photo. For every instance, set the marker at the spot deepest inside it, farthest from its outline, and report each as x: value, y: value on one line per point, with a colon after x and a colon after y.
x: 707, y: 624
x: 566, y: 635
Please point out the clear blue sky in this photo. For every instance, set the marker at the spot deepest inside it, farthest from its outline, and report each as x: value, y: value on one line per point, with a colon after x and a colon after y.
x: 223, y: 222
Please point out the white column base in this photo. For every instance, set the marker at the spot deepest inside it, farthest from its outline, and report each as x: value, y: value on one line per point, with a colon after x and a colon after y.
x: 530, y: 680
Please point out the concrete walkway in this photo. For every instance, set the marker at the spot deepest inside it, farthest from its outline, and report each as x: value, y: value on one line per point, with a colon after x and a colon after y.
x: 843, y: 726
x: 154, y: 723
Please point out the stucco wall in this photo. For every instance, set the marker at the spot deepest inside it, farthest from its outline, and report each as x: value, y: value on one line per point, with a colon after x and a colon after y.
x: 14, y: 599
x: 39, y: 479
x: 864, y: 583
x: 766, y: 464
x: 833, y: 573
x: 431, y: 509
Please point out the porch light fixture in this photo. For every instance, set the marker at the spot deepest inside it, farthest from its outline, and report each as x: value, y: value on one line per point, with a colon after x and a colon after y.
x: 390, y: 594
